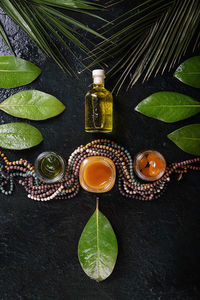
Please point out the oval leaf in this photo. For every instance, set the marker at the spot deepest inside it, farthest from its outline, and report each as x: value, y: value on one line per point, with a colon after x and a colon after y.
x: 187, y: 138
x: 189, y: 72
x: 168, y: 106
x: 18, y: 136
x: 97, y: 248
x: 32, y: 105
x: 15, y: 72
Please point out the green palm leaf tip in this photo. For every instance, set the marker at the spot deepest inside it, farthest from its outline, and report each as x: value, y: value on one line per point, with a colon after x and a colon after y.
x: 5, y: 38
x: 148, y: 39
x: 43, y: 19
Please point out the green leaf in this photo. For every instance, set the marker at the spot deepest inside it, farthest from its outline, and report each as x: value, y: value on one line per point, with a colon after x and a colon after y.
x: 168, y: 106
x: 76, y: 4
x: 5, y: 38
x: 39, y: 18
x: 187, y: 138
x: 32, y: 105
x: 97, y: 248
x: 148, y: 39
x: 15, y: 72
x: 19, y: 136
x: 189, y: 72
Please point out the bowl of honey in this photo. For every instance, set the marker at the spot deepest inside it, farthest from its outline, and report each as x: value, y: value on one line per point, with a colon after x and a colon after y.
x: 97, y: 174
x: 149, y: 165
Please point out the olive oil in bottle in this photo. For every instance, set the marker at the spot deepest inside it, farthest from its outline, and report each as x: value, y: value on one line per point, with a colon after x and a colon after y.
x: 98, y: 105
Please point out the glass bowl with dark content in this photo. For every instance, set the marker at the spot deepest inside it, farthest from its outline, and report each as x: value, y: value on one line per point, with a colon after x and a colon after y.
x: 50, y: 167
x: 149, y: 165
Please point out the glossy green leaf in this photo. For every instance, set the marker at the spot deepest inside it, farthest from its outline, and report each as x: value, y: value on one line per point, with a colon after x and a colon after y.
x: 97, y: 248
x: 15, y: 72
x: 19, y: 136
x: 187, y: 138
x: 33, y: 105
x: 189, y: 72
x: 168, y: 106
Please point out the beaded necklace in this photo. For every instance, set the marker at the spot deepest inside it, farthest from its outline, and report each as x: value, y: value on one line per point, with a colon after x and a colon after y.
x: 69, y: 186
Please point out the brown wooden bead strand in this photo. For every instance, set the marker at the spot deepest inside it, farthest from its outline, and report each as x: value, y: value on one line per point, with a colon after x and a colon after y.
x: 23, y: 172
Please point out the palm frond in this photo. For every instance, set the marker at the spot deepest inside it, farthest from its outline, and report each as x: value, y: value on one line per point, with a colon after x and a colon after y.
x: 149, y: 39
x: 45, y: 23
x: 5, y: 38
x: 72, y: 4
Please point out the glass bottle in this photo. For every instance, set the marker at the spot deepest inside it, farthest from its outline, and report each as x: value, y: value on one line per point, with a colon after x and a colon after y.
x: 98, y: 105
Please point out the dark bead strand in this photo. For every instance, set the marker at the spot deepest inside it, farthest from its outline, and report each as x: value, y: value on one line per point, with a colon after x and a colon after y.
x: 120, y: 153
x: 70, y: 195
x: 69, y: 186
x: 103, y: 152
x: 112, y: 156
x: 78, y: 162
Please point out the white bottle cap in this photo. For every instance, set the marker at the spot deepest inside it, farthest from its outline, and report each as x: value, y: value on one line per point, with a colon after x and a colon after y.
x: 98, y: 75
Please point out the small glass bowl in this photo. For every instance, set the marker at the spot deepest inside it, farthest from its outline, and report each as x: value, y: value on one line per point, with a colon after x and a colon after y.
x: 50, y: 176
x: 149, y: 165
x: 97, y: 167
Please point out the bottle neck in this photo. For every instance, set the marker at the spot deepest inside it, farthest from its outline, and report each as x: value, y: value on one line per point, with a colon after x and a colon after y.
x: 98, y: 85
x: 98, y: 81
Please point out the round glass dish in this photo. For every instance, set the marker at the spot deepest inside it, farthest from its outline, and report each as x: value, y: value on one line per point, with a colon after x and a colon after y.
x: 49, y: 167
x: 97, y: 174
x: 149, y: 165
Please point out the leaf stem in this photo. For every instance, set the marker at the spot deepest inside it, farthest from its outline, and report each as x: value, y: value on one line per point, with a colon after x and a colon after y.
x: 97, y: 203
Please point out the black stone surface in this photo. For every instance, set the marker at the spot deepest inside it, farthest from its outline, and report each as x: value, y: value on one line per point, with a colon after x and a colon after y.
x: 159, y: 241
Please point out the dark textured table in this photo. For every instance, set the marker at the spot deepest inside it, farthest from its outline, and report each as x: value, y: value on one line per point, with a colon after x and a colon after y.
x: 159, y: 247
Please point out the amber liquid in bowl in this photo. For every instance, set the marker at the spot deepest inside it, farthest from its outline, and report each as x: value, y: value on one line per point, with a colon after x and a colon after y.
x: 97, y: 174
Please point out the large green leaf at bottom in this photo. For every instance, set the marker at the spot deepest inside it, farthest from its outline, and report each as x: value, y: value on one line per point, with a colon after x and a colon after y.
x: 189, y: 72
x: 97, y: 248
x: 18, y: 136
x: 32, y: 105
x: 187, y: 138
x: 168, y: 106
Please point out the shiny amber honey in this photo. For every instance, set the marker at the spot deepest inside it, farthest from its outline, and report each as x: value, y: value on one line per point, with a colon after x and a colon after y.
x: 97, y: 174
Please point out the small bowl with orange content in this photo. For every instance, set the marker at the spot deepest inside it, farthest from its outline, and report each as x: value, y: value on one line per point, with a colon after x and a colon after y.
x: 149, y: 165
x: 97, y: 174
